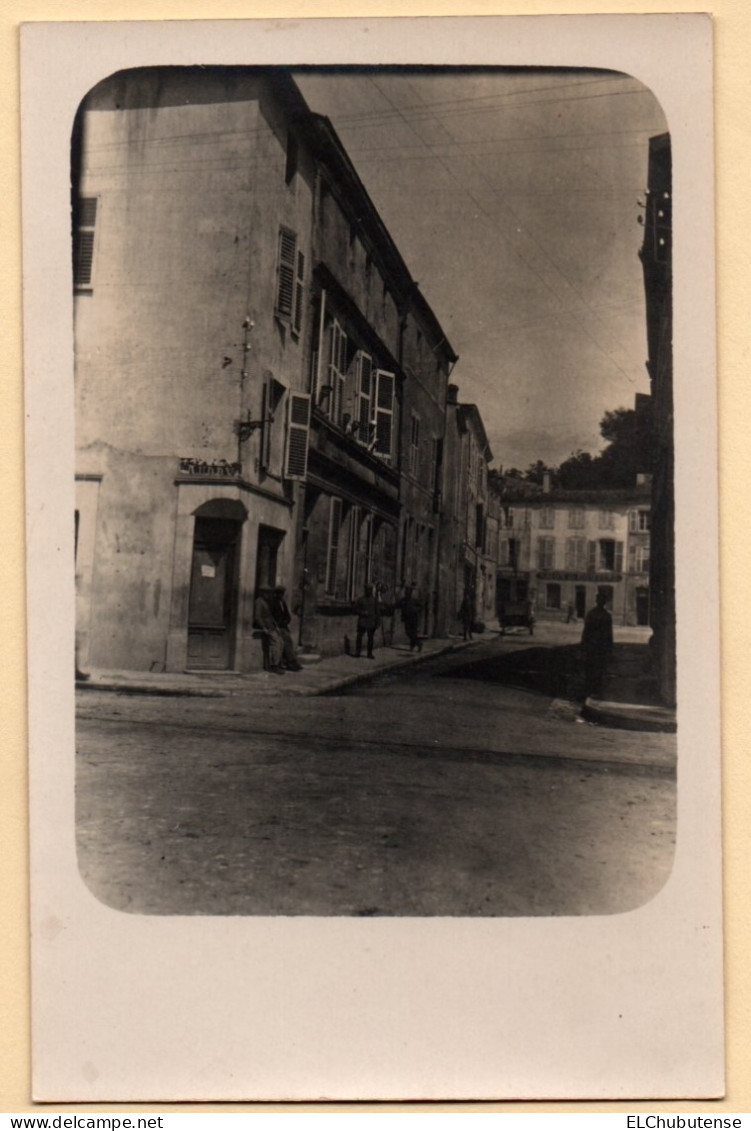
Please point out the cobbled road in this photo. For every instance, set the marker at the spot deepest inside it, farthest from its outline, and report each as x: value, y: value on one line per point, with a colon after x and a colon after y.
x: 424, y: 793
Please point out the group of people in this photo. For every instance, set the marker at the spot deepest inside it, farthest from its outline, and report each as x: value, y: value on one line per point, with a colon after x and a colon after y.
x: 271, y: 620
x: 369, y: 619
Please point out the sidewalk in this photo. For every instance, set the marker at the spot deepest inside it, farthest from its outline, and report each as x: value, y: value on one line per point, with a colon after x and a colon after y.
x: 319, y: 677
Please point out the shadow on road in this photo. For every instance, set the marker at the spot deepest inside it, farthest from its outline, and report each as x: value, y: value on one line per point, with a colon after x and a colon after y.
x: 558, y: 672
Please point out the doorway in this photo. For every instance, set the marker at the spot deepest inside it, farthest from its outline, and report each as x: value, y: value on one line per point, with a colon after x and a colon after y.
x: 642, y: 605
x: 580, y: 601
x: 213, y: 585
x: 269, y: 541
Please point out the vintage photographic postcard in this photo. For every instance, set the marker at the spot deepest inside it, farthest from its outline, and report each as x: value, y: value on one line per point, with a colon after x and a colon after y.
x: 373, y: 590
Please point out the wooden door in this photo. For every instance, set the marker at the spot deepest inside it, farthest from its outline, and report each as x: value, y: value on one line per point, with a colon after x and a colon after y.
x: 212, y: 594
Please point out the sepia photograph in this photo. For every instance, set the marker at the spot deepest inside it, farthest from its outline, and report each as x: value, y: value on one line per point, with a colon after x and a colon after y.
x: 374, y: 499
x: 374, y: 596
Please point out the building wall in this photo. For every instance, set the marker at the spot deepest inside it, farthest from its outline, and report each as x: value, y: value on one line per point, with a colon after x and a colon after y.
x: 559, y: 553
x: 422, y: 451
x: 176, y: 340
x: 469, y: 541
x: 214, y: 190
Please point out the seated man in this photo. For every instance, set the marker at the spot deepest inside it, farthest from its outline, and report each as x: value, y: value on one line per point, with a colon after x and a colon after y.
x: 282, y: 618
x: 265, y: 624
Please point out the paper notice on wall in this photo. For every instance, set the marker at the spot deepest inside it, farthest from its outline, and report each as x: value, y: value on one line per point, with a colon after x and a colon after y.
x: 208, y: 571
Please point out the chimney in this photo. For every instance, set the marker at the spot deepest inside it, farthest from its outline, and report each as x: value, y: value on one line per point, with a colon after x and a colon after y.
x: 452, y: 394
x: 546, y: 482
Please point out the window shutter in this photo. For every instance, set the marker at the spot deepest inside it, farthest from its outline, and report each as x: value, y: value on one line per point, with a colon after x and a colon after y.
x: 541, y: 553
x: 83, y: 246
x: 299, y: 291
x: 285, y: 292
x: 364, y: 387
x: 633, y: 521
x: 618, y: 564
x: 265, y: 455
x: 335, y: 521
x: 315, y: 382
x: 298, y: 427
x: 570, y: 553
x: 384, y: 413
x: 592, y: 557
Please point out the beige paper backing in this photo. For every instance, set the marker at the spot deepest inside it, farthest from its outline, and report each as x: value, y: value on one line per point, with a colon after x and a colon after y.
x: 362, y: 967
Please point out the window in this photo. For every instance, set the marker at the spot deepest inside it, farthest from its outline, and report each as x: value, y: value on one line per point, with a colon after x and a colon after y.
x: 83, y: 242
x: 353, y: 546
x: 609, y: 555
x: 545, y: 553
x: 290, y: 280
x: 271, y: 395
x: 337, y: 370
x: 639, y: 521
x: 298, y: 426
x: 576, y: 553
x: 414, y: 445
x: 552, y: 596
x: 576, y: 518
x: 364, y: 391
x: 638, y: 559
x: 607, y: 520
x: 384, y: 413
x: 335, y: 522
x: 510, y: 552
x: 437, y: 467
x: 547, y: 518
x: 479, y: 527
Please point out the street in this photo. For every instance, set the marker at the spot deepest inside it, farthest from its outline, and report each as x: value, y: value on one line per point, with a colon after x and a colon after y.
x: 435, y: 790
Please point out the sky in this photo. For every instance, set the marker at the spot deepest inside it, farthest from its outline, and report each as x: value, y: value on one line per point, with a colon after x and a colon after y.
x: 513, y: 196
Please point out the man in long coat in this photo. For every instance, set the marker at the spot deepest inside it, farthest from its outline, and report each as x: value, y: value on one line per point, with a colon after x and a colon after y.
x: 368, y: 619
x: 265, y: 624
x: 597, y: 645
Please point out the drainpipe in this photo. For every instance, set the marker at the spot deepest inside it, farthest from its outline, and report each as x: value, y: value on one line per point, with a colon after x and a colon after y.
x: 303, y: 584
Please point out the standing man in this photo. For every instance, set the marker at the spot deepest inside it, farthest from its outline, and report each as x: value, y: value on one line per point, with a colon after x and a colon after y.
x: 282, y: 618
x: 368, y: 619
x: 411, y: 609
x: 467, y: 613
x: 597, y: 646
x: 265, y: 625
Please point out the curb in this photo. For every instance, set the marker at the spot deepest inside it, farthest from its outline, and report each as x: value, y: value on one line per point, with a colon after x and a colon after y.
x: 371, y: 673
x: 202, y: 691
x: 630, y: 716
x: 134, y: 688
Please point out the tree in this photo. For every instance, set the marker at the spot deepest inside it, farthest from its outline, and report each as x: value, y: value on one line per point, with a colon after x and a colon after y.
x: 580, y: 472
x: 537, y: 471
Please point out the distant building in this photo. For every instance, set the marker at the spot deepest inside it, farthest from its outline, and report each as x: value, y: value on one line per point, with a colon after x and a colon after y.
x: 557, y: 549
x: 470, y: 524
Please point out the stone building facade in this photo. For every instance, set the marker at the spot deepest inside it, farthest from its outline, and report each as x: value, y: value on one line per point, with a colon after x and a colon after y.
x: 558, y: 549
x: 470, y: 518
x: 250, y: 349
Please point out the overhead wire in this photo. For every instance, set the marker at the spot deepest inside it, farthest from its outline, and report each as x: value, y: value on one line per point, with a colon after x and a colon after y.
x: 526, y: 263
